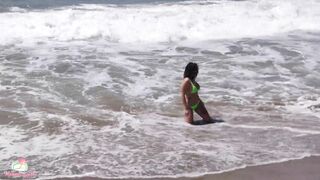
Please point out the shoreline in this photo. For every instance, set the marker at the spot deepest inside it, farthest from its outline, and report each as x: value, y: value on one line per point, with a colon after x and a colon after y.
x: 307, y: 168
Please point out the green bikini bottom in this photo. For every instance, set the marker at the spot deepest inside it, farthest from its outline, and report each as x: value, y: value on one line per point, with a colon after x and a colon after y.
x: 195, y: 106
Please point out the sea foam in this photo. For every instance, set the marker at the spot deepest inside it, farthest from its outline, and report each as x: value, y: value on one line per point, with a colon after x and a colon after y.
x: 161, y: 23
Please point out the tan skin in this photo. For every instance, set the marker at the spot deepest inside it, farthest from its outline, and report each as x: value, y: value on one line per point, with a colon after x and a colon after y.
x: 189, y: 99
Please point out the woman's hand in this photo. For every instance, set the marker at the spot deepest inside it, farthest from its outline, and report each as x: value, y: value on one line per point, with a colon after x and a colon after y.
x: 188, y: 115
x: 187, y: 111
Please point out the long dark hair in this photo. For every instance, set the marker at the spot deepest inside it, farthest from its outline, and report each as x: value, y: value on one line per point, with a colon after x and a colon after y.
x: 191, y: 71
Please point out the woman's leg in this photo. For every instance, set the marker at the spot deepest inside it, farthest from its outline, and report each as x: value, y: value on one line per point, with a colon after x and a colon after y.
x: 202, y: 111
x: 188, y: 116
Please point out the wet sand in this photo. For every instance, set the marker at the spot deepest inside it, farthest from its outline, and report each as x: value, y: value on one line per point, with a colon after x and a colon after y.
x: 303, y: 169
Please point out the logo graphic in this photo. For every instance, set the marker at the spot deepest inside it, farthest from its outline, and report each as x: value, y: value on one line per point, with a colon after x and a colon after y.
x: 19, y: 169
x: 20, y: 165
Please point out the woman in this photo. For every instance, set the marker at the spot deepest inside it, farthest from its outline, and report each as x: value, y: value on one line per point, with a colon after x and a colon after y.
x: 190, y: 97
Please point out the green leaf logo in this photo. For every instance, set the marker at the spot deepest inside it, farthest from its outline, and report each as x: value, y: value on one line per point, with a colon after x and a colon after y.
x: 20, y: 165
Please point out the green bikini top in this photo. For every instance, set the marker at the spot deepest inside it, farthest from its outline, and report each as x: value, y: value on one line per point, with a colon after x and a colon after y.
x: 194, y: 88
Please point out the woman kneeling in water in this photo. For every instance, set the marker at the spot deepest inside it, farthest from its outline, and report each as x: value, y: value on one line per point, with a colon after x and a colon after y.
x: 190, y: 97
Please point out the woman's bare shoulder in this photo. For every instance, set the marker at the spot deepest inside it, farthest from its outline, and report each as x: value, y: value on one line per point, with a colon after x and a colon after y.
x: 185, y: 83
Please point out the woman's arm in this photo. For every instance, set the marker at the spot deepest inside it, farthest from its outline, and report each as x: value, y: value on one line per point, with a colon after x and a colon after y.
x: 185, y: 88
x: 185, y: 93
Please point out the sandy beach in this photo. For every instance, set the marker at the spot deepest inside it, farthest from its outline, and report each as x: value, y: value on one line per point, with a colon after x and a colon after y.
x: 301, y: 169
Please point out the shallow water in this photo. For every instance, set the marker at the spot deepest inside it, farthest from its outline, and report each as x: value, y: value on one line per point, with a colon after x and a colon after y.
x: 105, y: 100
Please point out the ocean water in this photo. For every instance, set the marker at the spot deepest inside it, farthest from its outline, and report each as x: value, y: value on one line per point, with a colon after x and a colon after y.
x: 91, y: 88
